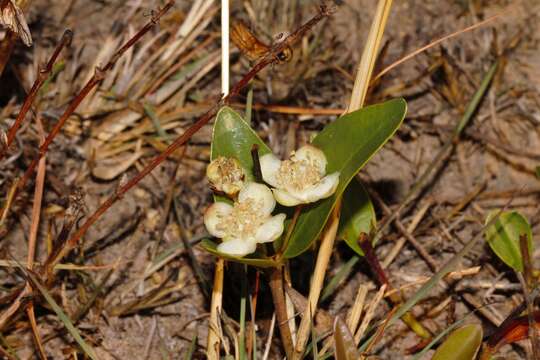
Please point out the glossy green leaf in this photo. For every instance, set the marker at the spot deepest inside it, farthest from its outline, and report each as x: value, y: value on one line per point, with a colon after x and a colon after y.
x: 461, y: 344
x: 357, y: 215
x: 503, y: 237
x: 348, y: 143
x: 253, y: 259
x: 233, y: 137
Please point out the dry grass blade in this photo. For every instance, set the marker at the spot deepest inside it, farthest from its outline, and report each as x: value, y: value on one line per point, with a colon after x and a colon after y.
x: 323, y: 258
x: 345, y: 347
x: 370, y: 312
x: 437, y: 277
x: 369, y: 57
x: 434, y: 43
x: 454, y: 262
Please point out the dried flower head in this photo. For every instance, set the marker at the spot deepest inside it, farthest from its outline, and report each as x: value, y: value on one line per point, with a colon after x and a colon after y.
x: 226, y: 175
x: 12, y: 18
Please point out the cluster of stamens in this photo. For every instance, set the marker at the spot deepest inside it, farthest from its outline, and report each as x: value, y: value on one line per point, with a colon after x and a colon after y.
x: 297, y: 174
x: 243, y: 220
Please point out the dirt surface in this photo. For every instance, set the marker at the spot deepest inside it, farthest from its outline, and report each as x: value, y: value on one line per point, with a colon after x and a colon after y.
x: 111, y: 137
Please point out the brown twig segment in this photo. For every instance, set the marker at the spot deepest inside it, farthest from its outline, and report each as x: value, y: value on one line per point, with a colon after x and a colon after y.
x: 270, y: 58
x: 278, y: 296
x: 42, y: 76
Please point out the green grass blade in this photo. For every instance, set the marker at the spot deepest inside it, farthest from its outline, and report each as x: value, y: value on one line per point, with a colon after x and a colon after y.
x: 336, y: 280
x: 191, y: 349
x: 88, y: 350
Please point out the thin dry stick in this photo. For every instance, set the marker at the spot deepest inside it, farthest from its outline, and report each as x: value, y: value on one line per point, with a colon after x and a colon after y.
x: 36, y: 210
x: 323, y: 258
x: 432, y: 44
x: 95, y: 80
x: 270, y: 336
x: 393, y: 253
x: 445, y: 151
x: 268, y: 59
x: 354, y: 314
x: 214, y: 329
x: 34, y: 227
x: 276, y: 287
x: 42, y: 76
x: 418, y: 247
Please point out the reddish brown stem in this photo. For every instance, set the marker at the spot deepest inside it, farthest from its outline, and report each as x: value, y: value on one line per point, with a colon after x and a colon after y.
x: 43, y: 75
x: 372, y: 259
x: 268, y: 59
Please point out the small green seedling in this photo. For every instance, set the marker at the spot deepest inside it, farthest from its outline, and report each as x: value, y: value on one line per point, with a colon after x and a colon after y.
x: 503, y: 237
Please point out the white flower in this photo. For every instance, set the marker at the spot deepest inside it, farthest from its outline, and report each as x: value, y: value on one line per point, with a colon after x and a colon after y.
x: 247, y: 222
x: 301, y: 179
x: 225, y: 175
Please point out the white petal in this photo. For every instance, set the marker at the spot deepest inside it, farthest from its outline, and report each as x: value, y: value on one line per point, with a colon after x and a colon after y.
x: 323, y: 189
x: 259, y: 193
x: 237, y: 247
x: 270, y: 165
x: 213, y: 216
x: 285, y: 198
x: 314, y: 156
x: 271, y: 229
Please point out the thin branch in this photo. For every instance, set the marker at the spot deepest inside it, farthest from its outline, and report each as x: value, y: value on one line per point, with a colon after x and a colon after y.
x: 42, y: 76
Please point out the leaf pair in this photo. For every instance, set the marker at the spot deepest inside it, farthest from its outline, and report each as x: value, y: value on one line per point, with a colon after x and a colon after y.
x: 348, y: 143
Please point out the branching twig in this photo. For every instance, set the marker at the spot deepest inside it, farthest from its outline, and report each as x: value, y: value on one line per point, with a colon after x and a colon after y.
x: 42, y: 76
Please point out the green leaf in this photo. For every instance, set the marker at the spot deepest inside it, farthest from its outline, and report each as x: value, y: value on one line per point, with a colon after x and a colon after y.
x: 357, y: 215
x: 461, y: 344
x: 348, y: 143
x: 233, y: 137
x: 257, y: 260
x: 503, y: 237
